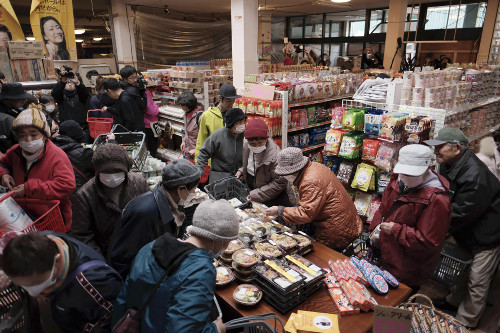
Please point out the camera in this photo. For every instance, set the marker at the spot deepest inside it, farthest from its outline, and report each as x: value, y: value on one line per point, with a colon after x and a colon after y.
x: 141, y: 82
x: 68, y: 72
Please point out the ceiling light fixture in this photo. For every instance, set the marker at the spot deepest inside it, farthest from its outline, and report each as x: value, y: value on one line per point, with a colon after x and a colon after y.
x: 79, y: 31
x: 79, y: 40
x: 97, y: 39
x: 340, y: 1
x: 30, y: 38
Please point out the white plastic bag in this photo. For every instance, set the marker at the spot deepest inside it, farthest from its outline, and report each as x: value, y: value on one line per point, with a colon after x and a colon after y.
x: 12, y: 216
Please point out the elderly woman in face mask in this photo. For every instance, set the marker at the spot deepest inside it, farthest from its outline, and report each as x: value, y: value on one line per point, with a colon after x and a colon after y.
x: 260, y: 154
x: 36, y: 168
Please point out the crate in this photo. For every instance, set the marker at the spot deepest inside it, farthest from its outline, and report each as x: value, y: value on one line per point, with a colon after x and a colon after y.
x: 229, y: 188
x: 98, y: 126
x: 133, y: 142
x: 452, y: 264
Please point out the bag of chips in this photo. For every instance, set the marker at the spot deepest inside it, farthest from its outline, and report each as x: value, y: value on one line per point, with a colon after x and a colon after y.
x: 365, y: 175
x: 393, y: 126
x: 362, y: 202
x: 353, y: 119
x: 370, y: 148
x: 332, y: 162
x: 383, y: 179
x: 386, y: 154
x: 374, y: 206
x: 351, y: 146
x: 337, y: 116
x: 333, y: 139
x: 345, y: 172
x: 311, y: 115
x: 373, y: 122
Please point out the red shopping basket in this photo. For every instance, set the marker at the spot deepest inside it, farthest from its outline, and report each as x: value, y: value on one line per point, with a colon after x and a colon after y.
x: 98, y: 126
x: 46, y: 212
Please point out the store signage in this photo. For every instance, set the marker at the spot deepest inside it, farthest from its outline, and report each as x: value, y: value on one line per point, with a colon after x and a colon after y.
x: 259, y: 91
x: 388, y: 319
x: 54, y: 20
x: 9, y: 19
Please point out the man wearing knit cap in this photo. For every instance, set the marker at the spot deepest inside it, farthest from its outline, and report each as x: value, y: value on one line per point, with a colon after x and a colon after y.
x: 99, y: 203
x: 260, y: 154
x: 224, y: 147
x: 321, y: 200
x: 155, y: 213
x: 183, y: 301
x: 36, y: 168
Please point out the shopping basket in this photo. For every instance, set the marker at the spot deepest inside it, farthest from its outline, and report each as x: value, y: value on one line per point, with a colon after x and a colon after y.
x: 256, y: 324
x: 98, y: 125
x: 229, y: 188
x: 133, y: 142
x: 362, y: 248
x: 452, y: 264
x: 12, y: 309
x: 46, y: 213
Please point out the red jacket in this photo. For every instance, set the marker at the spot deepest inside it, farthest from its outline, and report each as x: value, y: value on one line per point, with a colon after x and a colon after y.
x: 410, y: 252
x: 50, y: 178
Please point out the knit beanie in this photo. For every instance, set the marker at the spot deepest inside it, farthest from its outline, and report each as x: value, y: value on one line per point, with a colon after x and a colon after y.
x: 256, y: 128
x: 290, y: 160
x: 72, y: 129
x: 33, y: 118
x: 110, y: 158
x: 178, y: 173
x: 233, y: 116
x: 215, y: 220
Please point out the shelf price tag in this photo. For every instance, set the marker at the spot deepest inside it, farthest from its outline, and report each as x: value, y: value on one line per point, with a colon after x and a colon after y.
x: 388, y: 319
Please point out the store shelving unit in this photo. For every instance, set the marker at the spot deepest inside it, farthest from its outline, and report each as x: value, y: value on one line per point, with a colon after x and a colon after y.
x: 494, y: 58
x: 309, y: 126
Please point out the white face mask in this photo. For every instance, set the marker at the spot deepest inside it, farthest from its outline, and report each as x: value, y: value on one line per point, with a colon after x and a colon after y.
x: 36, y: 290
x: 290, y: 178
x: 257, y: 150
x: 50, y: 108
x: 239, y: 129
x: 112, y: 180
x: 412, y: 181
x: 32, y: 146
x: 188, y: 202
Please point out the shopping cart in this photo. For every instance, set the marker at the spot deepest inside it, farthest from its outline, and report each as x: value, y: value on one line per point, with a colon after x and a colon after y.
x: 452, y: 264
x: 256, y: 324
x: 12, y: 310
x: 229, y: 188
x: 98, y: 125
x: 133, y: 142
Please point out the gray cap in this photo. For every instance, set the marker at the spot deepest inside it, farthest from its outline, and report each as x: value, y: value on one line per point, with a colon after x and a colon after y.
x: 290, y: 160
x: 179, y: 172
x: 448, y: 135
x: 215, y: 220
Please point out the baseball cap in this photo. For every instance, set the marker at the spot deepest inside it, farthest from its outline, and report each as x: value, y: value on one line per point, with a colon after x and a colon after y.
x: 228, y: 91
x: 413, y: 160
x: 448, y: 135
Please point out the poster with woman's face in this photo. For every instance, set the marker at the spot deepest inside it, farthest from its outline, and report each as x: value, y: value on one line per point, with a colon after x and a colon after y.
x: 10, y: 29
x: 52, y: 22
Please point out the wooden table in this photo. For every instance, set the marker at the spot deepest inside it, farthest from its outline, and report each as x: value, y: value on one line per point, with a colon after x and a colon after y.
x: 320, y: 301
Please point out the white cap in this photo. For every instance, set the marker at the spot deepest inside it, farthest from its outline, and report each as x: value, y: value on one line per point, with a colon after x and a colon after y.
x: 413, y: 160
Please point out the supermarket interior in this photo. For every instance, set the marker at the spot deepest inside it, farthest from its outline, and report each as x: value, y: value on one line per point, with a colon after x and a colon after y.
x: 250, y: 166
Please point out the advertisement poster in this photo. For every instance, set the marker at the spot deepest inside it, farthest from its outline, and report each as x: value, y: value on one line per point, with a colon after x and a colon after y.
x: 53, y: 23
x: 10, y: 29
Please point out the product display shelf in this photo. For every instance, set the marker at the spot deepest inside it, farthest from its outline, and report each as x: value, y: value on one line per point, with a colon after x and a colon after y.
x: 474, y: 106
x: 313, y: 147
x: 34, y: 85
x: 494, y: 56
x: 318, y: 101
x: 309, y: 126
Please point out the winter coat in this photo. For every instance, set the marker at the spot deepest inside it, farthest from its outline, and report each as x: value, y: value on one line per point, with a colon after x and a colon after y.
x: 96, y: 215
x: 129, y: 112
x: 80, y: 158
x: 183, y: 302
x: 49, y: 178
x: 151, y: 112
x: 7, y: 137
x: 144, y: 219
x: 475, y: 201
x: 324, y: 202
x: 224, y: 149
x: 489, y: 155
x: 98, y: 102
x: 421, y: 220
x: 86, y: 303
x: 191, y: 127
x: 72, y: 107
x: 267, y: 185
x: 210, y: 121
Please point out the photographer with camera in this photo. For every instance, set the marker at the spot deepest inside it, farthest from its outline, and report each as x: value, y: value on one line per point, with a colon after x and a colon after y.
x: 72, y: 97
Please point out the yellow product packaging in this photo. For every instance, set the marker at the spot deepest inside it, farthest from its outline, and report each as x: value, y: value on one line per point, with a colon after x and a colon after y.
x: 307, y: 321
x: 290, y: 324
x: 364, y: 178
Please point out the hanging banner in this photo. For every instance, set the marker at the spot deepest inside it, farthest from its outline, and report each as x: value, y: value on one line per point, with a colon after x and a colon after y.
x: 53, y: 23
x: 10, y: 29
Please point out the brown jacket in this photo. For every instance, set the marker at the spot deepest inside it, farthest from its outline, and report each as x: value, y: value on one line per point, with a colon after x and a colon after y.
x: 324, y: 202
x: 268, y: 184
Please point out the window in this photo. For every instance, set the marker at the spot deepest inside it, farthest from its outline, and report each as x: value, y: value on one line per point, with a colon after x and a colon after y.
x: 278, y: 24
x: 356, y: 28
x: 314, y: 26
x: 296, y: 25
x: 448, y: 17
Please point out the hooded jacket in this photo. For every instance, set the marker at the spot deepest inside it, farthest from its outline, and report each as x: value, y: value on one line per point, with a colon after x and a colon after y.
x: 49, y: 178
x: 101, y: 100
x: 96, y: 216
x: 86, y: 303
x: 475, y: 201
x: 210, y: 121
x: 224, y: 149
x: 72, y: 106
x: 129, y: 112
x: 422, y: 218
x: 80, y: 158
x: 7, y: 137
x: 324, y: 202
x: 151, y: 112
x: 183, y: 301
x: 489, y: 155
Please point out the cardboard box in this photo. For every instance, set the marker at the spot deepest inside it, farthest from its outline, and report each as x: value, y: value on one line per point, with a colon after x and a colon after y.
x: 26, y: 50
x: 48, y: 68
x: 5, y: 67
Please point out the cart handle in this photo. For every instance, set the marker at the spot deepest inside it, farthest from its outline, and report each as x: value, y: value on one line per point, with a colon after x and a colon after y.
x: 115, y: 126
x: 7, y: 195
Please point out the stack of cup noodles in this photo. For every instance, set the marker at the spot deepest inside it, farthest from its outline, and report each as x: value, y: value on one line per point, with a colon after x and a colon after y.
x: 496, y: 80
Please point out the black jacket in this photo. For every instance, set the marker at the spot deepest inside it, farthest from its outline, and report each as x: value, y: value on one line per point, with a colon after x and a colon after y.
x: 130, y: 112
x: 72, y: 107
x: 85, y: 304
x: 7, y: 137
x: 475, y: 197
x: 103, y: 100
x: 80, y: 158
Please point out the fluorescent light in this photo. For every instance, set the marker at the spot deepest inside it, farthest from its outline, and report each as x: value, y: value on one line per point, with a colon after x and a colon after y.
x: 79, y: 40
x: 30, y: 38
x: 340, y: 1
x: 97, y: 39
x: 79, y: 31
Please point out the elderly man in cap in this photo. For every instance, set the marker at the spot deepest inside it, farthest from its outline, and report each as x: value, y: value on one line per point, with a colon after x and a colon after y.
x: 475, y: 221
x: 155, y: 213
x: 413, y: 218
x: 224, y: 147
x: 12, y: 99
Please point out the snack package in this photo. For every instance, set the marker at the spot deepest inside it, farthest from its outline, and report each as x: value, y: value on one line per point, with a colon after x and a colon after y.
x: 418, y: 128
x: 374, y: 206
x: 373, y: 121
x: 370, y: 148
x: 333, y: 139
x: 351, y: 145
x: 383, y: 179
x: 345, y: 172
x: 311, y: 115
x: 353, y: 119
x: 337, y: 116
x: 393, y: 126
x: 385, y: 156
x: 332, y: 162
x: 365, y: 175
x: 303, y: 140
x: 362, y: 202
x: 317, y: 135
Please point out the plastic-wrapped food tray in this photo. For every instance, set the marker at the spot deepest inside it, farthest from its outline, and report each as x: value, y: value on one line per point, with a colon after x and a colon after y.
x: 285, y: 241
x: 279, y: 283
x: 268, y: 249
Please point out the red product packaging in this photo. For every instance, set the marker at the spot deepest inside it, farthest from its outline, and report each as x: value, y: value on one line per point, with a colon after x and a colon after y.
x: 337, y: 271
x: 364, y: 291
x: 353, y: 295
x: 364, y: 303
x: 342, y: 303
x: 359, y: 277
x: 330, y: 281
x: 370, y: 148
